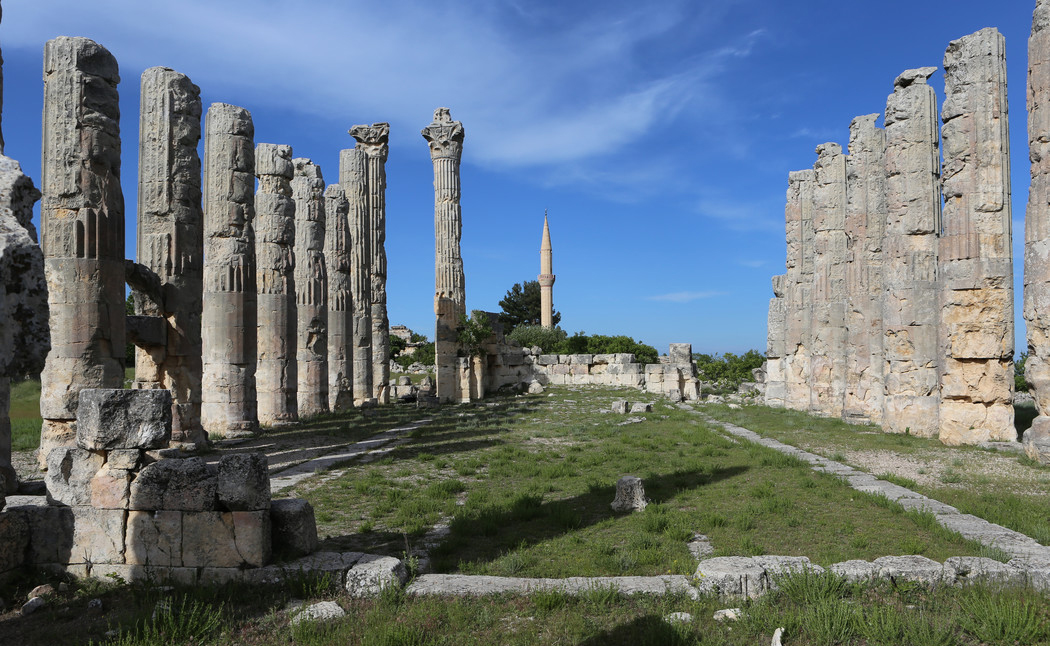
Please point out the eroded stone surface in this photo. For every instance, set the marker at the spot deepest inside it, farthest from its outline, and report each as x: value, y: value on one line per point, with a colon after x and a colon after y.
x: 311, y: 288
x: 337, y: 246
x: 294, y: 527
x: 1037, y: 215
x: 353, y: 178
x: 175, y: 484
x: 630, y: 495
x: 110, y: 419
x: 243, y: 482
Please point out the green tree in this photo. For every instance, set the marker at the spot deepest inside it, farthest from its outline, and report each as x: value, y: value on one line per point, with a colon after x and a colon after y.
x: 1020, y: 384
x: 473, y: 332
x: 522, y: 306
x: 397, y: 345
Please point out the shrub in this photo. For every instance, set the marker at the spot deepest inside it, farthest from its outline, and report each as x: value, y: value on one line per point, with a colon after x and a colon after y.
x: 548, y: 339
x: 728, y: 371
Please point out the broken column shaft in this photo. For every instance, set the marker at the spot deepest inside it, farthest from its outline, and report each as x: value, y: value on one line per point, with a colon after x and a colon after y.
x: 445, y: 137
x: 311, y: 288
x: 337, y: 245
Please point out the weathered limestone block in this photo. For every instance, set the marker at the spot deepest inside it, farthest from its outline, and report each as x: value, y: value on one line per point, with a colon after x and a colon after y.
x: 976, y: 249
x: 69, y: 474
x: 110, y: 488
x: 311, y: 288
x: 81, y: 231
x: 910, y: 312
x: 225, y: 539
x: 372, y: 574
x: 337, y: 245
x: 1036, y: 440
x: 98, y: 535
x: 229, y: 322
x: 123, y: 419
x: 1037, y: 215
x: 14, y: 539
x: 25, y: 337
x: 630, y: 493
x: 123, y: 459
x: 445, y: 138
x: 865, y: 227
x: 372, y: 140
x: 294, y: 527
x: 154, y: 538
x: 353, y: 178
x: 276, y: 372
x: 243, y: 482
x: 798, y: 218
x: 171, y: 244
x: 174, y: 484
x: 828, y: 343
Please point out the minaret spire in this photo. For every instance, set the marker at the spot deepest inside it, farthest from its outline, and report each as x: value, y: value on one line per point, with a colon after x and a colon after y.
x: 546, y: 277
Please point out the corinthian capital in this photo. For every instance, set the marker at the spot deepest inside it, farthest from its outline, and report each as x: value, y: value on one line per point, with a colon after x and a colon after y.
x: 372, y: 139
x: 445, y: 136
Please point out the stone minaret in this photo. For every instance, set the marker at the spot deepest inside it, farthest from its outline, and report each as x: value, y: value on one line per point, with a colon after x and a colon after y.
x: 353, y: 178
x: 446, y: 148
x: 373, y: 141
x: 546, y: 277
x: 229, y: 321
x: 81, y: 232
x: 1037, y: 220
x: 976, y: 250
x: 311, y: 288
x: 169, y: 279
x: 276, y: 374
x: 337, y: 244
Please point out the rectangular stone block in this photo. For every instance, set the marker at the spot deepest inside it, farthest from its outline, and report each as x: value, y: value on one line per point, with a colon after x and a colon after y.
x: 154, y: 538
x: 69, y: 474
x: 603, y: 358
x: 547, y: 359
x: 14, y: 541
x: 560, y: 369
x: 294, y: 527
x: 581, y: 358
x: 175, y: 484
x: 623, y: 357
x: 123, y: 459
x: 123, y: 419
x: 98, y: 535
x: 50, y: 532
x: 110, y: 488
x: 209, y: 540
x: 253, y: 536
x: 243, y: 482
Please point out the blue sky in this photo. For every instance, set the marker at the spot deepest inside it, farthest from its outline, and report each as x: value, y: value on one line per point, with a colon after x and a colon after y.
x: 659, y: 135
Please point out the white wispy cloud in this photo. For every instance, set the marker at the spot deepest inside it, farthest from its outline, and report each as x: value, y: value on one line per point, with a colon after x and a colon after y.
x: 740, y: 214
x: 752, y: 263
x: 684, y: 297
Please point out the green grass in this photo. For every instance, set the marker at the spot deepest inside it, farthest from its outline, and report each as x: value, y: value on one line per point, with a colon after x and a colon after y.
x: 995, y: 499
x: 525, y: 486
x: 25, y: 415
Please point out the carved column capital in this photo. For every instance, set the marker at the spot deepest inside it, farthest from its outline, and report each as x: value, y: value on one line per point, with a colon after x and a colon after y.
x: 372, y: 139
x: 444, y: 135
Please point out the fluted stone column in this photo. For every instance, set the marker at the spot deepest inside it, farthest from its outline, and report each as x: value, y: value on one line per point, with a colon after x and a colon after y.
x: 229, y: 321
x: 311, y: 288
x: 276, y: 375
x: 1037, y: 219
x: 169, y: 280
x: 373, y: 141
x: 776, y: 346
x: 337, y: 245
x: 913, y: 215
x: 798, y: 215
x: 445, y: 137
x: 82, y: 232
x: 24, y: 336
x: 865, y: 225
x: 976, y: 250
x: 828, y: 347
x: 353, y: 178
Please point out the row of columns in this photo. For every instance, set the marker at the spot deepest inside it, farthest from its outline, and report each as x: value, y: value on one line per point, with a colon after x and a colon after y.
x: 891, y: 310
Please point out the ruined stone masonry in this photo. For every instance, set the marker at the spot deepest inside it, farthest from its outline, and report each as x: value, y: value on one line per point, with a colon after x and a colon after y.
x: 1037, y: 220
x: 337, y: 245
x: 24, y: 337
x: 976, y: 254
x: 81, y: 232
x: 798, y: 217
x: 229, y: 305
x: 276, y: 373
x: 167, y: 281
x: 445, y: 137
x: 311, y: 288
x: 353, y: 178
x: 372, y: 140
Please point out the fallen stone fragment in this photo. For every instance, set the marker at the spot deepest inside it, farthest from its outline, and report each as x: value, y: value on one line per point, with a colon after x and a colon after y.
x: 535, y: 388
x: 372, y: 574
x: 620, y: 406
x: 41, y: 590
x: 912, y: 568
x: 776, y: 637
x: 323, y: 611
x: 641, y: 407
x: 31, y: 606
x: 1036, y: 441
x: 679, y: 618
x: 700, y: 546
x: 630, y: 494
x: 732, y: 576
x: 727, y: 614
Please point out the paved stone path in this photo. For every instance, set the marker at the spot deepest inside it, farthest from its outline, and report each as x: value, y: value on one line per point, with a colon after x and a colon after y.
x: 987, y: 533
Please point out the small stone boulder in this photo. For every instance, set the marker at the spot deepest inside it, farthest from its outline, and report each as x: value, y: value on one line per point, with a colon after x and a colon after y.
x: 641, y: 407
x: 110, y: 419
x: 294, y: 527
x: 620, y: 406
x: 244, y: 482
x: 174, y: 484
x: 630, y: 494
x: 372, y: 574
x: 323, y: 611
x: 535, y: 388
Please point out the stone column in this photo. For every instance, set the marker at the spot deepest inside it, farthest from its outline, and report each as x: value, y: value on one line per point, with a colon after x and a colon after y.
x: 276, y: 375
x: 337, y: 245
x: 169, y: 280
x: 828, y: 347
x: 546, y: 277
x: 911, y: 315
x: 24, y: 336
x: 353, y: 177
x: 445, y: 137
x: 81, y: 232
x: 311, y: 288
x: 1037, y: 219
x: 229, y: 321
x: 776, y: 335
x: 865, y: 224
x: 798, y: 215
x: 976, y: 250
x: 373, y: 141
